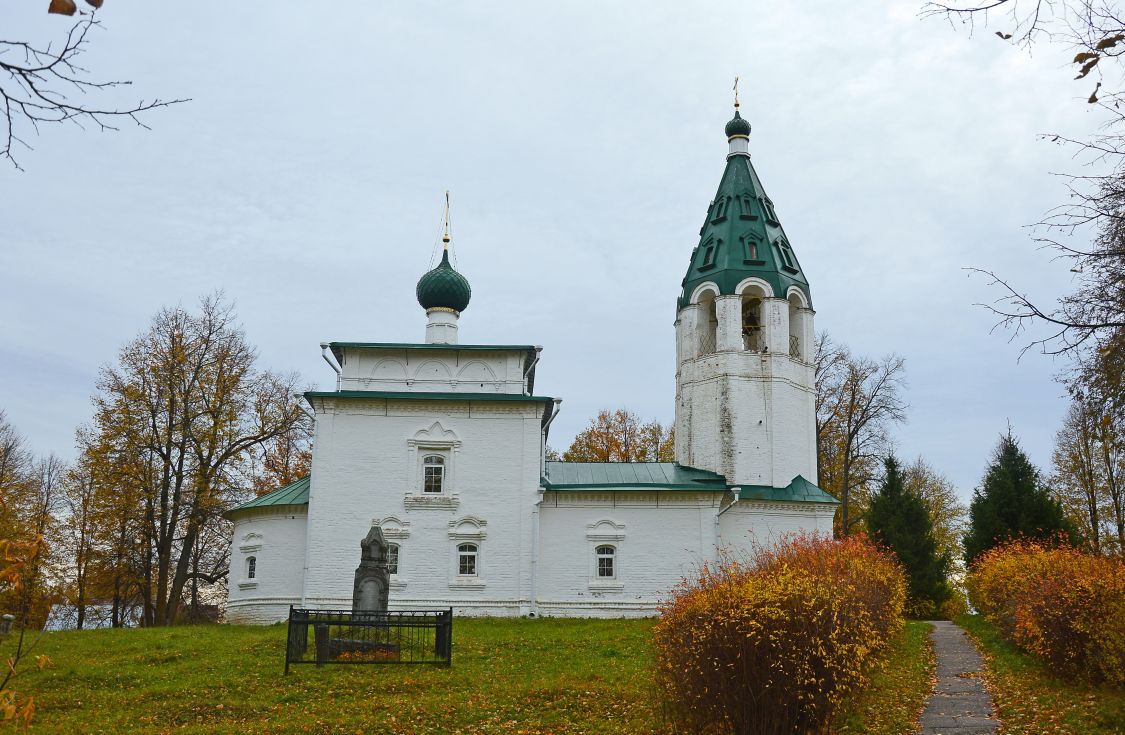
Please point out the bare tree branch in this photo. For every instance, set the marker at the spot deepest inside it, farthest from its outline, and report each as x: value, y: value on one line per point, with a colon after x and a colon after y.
x: 46, y: 85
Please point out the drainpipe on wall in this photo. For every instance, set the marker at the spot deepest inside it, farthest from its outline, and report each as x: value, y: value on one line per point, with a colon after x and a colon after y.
x: 543, y: 442
x: 736, y: 492
x: 533, y: 607
x: 331, y: 364
x: 529, y: 368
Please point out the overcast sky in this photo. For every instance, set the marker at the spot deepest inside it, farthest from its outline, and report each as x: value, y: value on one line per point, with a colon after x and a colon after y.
x: 582, y: 142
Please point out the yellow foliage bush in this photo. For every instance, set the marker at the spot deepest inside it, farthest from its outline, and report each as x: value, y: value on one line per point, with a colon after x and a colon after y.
x: 1058, y: 603
x: 956, y: 606
x: 772, y: 645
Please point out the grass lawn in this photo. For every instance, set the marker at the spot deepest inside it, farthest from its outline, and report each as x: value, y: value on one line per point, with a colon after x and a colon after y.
x: 508, y: 676
x: 1030, y: 700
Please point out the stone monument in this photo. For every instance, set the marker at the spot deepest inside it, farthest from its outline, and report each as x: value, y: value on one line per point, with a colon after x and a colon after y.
x: 372, y: 580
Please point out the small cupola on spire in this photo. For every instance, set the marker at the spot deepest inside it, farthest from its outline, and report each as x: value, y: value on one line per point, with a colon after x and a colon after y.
x: 443, y: 293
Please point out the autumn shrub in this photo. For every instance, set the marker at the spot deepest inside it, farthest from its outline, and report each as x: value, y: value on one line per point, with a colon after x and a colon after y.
x: 955, y: 606
x: 1058, y: 603
x: 772, y: 645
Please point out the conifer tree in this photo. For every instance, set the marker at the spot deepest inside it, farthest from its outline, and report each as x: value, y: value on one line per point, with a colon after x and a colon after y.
x: 898, y: 519
x: 1011, y: 502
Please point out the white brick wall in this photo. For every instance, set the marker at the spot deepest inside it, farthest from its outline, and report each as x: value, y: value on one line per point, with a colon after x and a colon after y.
x: 751, y: 525
x: 747, y: 415
x: 367, y: 466
x: 658, y: 538
x: 433, y: 370
x: 277, y: 542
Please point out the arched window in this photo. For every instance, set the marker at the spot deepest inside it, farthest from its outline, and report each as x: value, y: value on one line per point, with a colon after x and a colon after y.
x: 467, y: 560
x: 392, y: 558
x: 251, y: 567
x: 605, y: 556
x: 433, y: 473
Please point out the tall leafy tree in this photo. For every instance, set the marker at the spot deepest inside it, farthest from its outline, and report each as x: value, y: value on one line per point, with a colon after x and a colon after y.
x: 858, y: 399
x: 899, y: 520
x: 177, y: 420
x: 1084, y: 486
x: 1012, y: 501
x: 948, y: 515
x: 620, y: 436
x: 284, y: 460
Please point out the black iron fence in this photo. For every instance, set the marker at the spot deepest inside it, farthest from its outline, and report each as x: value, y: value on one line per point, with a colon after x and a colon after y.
x: 396, y: 637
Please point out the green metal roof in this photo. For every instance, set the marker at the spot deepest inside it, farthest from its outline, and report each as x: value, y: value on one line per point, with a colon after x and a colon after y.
x: 339, y: 347
x: 799, y: 490
x: 670, y: 476
x: 443, y: 287
x: 295, y: 493
x: 630, y: 475
x: 429, y: 346
x: 742, y: 237
x: 425, y: 396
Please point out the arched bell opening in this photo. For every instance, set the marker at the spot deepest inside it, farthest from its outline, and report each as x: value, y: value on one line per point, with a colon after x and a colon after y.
x: 796, y: 349
x: 753, y: 332
x: 800, y: 318
x: 708, y: 323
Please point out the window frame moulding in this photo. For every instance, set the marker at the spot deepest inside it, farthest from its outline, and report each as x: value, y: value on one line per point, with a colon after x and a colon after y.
x: 479, y: 534
x: 251, y: 542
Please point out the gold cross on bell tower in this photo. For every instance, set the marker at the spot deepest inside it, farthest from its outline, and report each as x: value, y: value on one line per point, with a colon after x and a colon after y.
x: 736, y: 93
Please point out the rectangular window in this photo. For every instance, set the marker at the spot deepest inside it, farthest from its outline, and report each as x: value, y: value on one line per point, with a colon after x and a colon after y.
x: 467, y: 560
x: 433, y: 474
x: 392, y: 559
x: 605, y: 556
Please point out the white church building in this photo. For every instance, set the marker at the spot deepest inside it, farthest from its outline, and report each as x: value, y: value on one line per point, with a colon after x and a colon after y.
x: 442, y: 445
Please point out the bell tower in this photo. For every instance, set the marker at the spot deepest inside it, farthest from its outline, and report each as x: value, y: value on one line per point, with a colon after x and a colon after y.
x: 745, y: 403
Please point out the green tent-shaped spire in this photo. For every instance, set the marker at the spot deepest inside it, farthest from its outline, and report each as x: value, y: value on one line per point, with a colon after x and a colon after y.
x: 742, y: 235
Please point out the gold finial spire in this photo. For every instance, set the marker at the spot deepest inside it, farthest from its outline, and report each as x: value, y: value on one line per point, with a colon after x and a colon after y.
x: 445, y: 235
x: 736, y: 93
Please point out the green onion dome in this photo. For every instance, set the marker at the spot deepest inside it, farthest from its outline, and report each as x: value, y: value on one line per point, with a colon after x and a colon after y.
x: 443, y: 287
x: 737, y: 126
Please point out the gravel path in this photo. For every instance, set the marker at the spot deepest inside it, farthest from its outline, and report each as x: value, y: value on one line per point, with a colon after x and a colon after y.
x: 959, y: 705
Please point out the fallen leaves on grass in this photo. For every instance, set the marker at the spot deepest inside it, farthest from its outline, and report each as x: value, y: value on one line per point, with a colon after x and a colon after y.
x: 893, y: 701
x: 1029, y: 700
